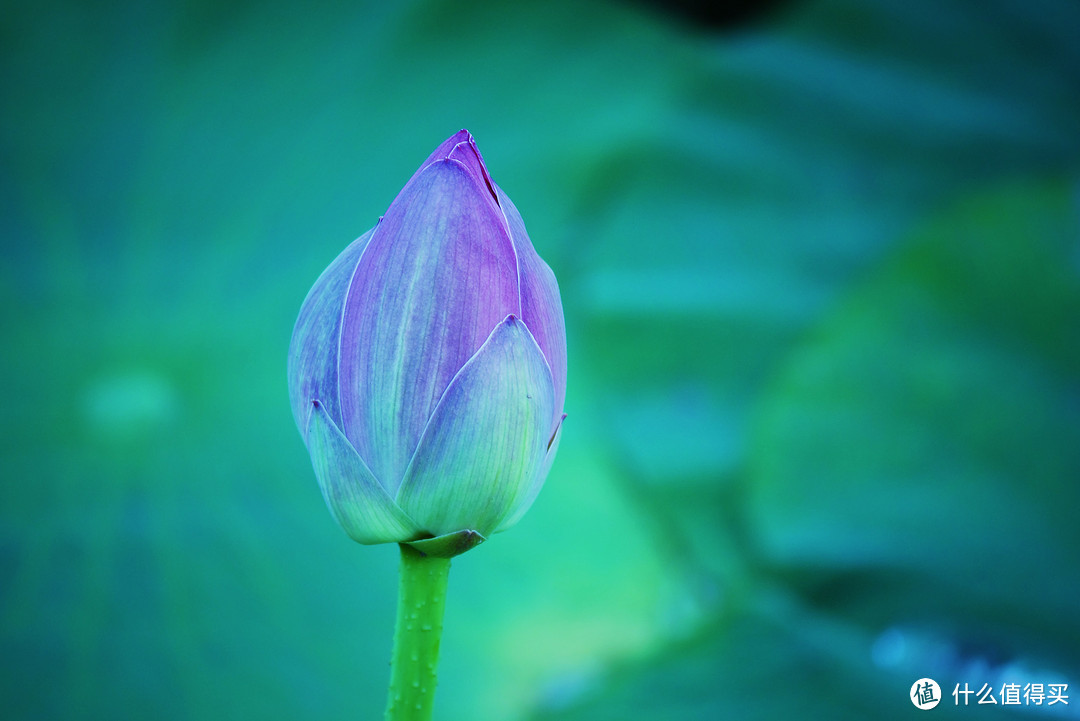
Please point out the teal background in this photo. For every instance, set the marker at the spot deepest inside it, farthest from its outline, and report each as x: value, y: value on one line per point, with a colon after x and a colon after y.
x: 822, y: 285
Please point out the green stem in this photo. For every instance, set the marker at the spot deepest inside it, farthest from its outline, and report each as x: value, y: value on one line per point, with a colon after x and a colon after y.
x: 421, y: 602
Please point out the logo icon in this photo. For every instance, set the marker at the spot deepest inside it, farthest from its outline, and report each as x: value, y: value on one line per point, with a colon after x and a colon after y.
x: 925, y: 693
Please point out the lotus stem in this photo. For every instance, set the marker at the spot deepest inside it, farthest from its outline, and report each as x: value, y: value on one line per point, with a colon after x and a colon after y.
x: 415, y: 658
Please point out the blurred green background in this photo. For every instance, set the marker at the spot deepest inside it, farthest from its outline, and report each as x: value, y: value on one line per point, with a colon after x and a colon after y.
x: 821, y: 272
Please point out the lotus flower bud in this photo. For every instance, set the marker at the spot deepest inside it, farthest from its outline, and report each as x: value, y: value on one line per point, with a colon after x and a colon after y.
x: 427, y: 369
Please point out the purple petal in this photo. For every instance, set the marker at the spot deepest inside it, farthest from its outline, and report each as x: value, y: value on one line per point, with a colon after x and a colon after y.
x: 312, y: 366
x: 438, y: 274
x: 541, y: 306
x: 488, y: 436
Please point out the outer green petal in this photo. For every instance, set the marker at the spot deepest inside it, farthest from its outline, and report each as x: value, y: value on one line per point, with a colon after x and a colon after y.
x: 486, y: 439
x: 537, y: 483
x: 448, y: 545
x: 359, y: 504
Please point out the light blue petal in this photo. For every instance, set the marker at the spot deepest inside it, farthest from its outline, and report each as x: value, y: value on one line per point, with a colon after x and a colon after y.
x: 538, y: 482
x: 313, y: 352
x: 487, y: 437
x: 361, y: 506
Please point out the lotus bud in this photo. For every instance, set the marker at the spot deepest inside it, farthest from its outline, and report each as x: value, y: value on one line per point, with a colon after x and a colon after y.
x: 427, y: 369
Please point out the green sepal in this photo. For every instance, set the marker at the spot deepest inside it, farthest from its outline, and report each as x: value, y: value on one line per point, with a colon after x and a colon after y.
x: 448, y: 545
